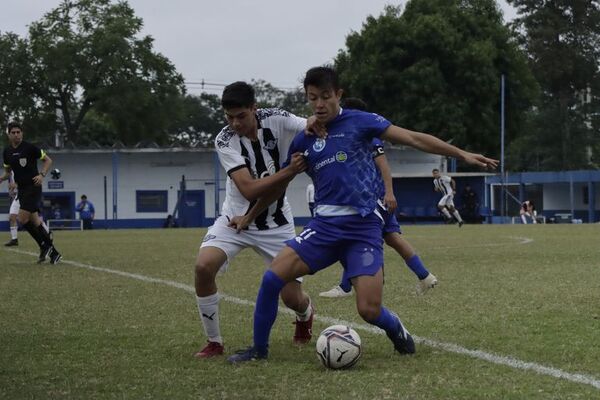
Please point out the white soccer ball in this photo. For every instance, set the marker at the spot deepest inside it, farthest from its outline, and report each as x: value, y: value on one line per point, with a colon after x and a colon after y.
x: 339, y: 347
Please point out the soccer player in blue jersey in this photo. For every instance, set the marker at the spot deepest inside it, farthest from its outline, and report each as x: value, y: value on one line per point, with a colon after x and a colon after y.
x: 346, y: 226
x: 391, y: 228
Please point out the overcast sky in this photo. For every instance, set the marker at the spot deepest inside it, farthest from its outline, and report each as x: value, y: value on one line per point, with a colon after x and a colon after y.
x: 228, y: 40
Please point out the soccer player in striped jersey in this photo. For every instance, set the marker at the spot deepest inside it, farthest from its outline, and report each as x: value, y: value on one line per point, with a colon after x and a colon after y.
x: 347, y: 225
x: 447, y: 186
x: 251, y: 149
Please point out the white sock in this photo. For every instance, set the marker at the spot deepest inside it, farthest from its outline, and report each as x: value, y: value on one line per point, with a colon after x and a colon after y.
x: 13, y: 232
x: 208, y: 308
x: 457, y: 215
x: 524, y: 219
x: 446, y: 213
x: 305, y: 316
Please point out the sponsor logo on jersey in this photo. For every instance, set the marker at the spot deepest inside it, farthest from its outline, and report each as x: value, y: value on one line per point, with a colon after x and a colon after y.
x: 22, y: 162
x: 319, y: 145
x: 341, y: 156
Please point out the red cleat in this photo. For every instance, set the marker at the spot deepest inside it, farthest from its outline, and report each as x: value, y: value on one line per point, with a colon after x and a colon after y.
x: 212, y: 349
x: 303, y: 332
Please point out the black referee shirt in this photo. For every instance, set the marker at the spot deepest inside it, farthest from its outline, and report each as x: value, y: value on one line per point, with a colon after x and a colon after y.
x: 23, y: 161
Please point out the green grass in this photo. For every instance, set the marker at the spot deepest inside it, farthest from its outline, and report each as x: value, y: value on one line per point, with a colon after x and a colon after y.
x: 68, y: 332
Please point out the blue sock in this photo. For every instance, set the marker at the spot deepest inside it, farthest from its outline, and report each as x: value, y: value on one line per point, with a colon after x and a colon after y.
x: 346, y: 285
x: 387, y: 321
x: 265, y: 312
x: 416, y: 265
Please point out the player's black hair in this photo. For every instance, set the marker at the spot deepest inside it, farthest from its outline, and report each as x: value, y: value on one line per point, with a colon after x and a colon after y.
x: 83, y: 197
x: 435, y: 169
x: 355, y: 103
x: 238, y: 94
x: 322, y: 77
x: 13, y: 124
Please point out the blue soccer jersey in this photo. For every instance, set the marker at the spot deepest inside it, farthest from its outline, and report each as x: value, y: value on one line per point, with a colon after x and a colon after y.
x: 341, y: 166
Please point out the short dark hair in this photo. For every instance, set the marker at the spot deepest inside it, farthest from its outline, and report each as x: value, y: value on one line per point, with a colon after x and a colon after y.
x: 13, y: 124
x: 435, y: 169
x: 355, y: 103
x: 83, y: 197
x: 322, y: 77
x: 238, y: 94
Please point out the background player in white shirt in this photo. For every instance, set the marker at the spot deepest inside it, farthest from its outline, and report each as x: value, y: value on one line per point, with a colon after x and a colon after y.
x: 14, y: 211
x: 447, y: 186
x: 528, y: 210
x: 251, y: 149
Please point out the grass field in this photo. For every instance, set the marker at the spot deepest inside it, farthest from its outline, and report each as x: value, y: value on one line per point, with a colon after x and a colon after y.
x: 516, y: 316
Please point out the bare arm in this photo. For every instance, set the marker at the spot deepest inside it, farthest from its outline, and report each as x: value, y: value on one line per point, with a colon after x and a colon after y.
x: 453, y: 185
x: 5, y: 175
x: 252, y: 188
x: 431, y: 144
x: 240, y: 222
x: 386, y: 173
x: 46, y: 164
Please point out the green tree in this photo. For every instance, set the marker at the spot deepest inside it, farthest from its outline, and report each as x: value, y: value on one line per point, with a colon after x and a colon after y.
x: 199, y: 120
x: 86, y: 55
x: 562, y: 40
x: 16, y: 102
x: 436, y: 68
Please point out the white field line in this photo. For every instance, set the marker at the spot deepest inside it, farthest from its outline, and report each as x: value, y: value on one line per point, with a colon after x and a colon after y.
x: 518, y: 239
x: 450, y: 347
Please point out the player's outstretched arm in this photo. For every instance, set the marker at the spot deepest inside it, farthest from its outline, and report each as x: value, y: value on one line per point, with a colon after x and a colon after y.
x: 431, y: 144
x: 252, y: 188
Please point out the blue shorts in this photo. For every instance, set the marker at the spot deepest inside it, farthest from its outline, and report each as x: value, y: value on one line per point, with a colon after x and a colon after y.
x: 354, y: 241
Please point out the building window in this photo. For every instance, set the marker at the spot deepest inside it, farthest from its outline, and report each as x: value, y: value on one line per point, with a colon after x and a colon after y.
x: 151, y: 200
x: 4, y: 203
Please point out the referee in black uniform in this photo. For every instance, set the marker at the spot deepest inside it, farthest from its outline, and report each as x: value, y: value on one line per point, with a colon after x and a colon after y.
x: 21, y: 157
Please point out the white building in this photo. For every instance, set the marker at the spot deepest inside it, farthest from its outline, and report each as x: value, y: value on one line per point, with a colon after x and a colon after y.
x: 139, y: 187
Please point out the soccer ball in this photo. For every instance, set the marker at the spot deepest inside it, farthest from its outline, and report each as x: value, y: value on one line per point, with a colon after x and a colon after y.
x: 338, y: 347
x: 55, y: 173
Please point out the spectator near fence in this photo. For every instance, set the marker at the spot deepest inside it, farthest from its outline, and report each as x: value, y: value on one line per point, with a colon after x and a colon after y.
x: 86, y: 212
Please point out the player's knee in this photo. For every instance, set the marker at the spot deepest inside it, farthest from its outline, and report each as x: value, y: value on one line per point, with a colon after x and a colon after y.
x: 23, y: 219
x: 369, y: 311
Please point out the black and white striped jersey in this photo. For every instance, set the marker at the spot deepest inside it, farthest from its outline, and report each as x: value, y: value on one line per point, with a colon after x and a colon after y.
x: 443, y: 185
x: 263, y: 157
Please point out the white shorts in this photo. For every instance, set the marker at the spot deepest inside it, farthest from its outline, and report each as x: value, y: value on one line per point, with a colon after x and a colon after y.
x: 15, y: 206
x: 267, y: 243
x: 447, y: 200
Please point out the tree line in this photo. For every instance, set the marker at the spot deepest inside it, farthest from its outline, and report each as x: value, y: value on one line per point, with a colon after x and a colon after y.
x: 85, y: 71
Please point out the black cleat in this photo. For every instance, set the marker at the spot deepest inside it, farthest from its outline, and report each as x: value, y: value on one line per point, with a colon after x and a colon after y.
x: 44, y: 252
x: 12, y: 242
x: 55, y: 256
x: 460, y: 223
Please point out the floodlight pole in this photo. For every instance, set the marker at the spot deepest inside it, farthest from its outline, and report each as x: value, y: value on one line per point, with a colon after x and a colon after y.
x: 502, y: 202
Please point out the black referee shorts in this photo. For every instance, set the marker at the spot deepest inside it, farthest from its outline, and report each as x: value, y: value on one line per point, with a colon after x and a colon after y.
x: 30, y: 198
